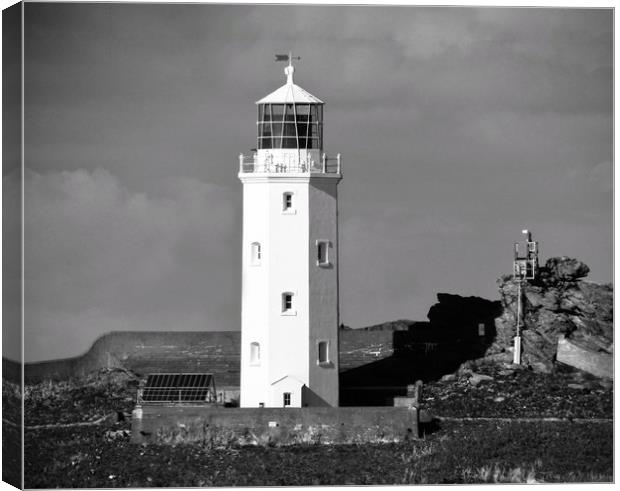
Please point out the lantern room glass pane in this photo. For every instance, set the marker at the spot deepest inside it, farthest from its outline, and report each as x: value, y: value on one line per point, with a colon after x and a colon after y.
x: 303, y: 110
x: 313, y: 112
x: 289, y: 129
x: 277, y: 129
x: 290, y: 113
x: 264, y: 130
x: 290, y: 142
x: 277, y: 111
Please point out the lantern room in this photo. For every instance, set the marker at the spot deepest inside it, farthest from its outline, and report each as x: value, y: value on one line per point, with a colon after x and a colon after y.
x: 290, y: 117
x: 289, y: 132
x: 290, y: 125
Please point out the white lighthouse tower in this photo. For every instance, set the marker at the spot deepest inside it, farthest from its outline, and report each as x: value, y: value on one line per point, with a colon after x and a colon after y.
x: 289, y: 314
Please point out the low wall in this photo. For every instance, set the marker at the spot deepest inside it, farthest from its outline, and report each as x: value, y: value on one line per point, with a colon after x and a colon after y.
x: 210, y: 425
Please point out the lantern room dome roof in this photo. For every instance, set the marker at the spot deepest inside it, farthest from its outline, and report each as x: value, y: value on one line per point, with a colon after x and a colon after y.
x: 290, y: 93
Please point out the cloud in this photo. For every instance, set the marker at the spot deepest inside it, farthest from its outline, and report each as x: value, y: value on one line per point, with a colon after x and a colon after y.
x: 11, y: 265
x: 100, y: 256
x: 431, y: 33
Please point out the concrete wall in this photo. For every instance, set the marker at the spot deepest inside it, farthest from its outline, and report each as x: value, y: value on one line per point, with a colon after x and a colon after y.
x: 218, y: 426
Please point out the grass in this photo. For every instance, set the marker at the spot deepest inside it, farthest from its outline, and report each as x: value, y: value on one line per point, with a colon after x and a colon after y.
x: 456, y: 453
x: 75, y: 400
x: 521, y: 393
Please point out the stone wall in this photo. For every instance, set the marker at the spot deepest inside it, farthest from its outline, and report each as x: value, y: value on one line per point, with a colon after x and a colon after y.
x: 272, y: 426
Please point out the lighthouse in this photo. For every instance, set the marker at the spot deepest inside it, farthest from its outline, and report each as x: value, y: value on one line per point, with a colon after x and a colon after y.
x: 289, y: 312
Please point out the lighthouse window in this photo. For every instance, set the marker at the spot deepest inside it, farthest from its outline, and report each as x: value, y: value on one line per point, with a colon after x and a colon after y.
x: 254, y: 354
x: 255, y: 254
x: 322, y: 249
x: 323, y: 352
x: 287, y: 202
x: 287, y: 303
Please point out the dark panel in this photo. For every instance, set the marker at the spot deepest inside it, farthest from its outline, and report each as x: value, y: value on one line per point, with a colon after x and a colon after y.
x: 178, y: 387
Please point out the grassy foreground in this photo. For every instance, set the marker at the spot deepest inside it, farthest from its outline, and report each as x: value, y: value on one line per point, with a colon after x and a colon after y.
x: 470, y: 452
x: 100, y: 455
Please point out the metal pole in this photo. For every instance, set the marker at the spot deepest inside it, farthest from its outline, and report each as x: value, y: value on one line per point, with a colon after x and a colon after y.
x: 517, y: 343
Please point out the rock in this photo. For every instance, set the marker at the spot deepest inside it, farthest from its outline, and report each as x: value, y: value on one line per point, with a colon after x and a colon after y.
x: 464, y: 371
x: 460, y: 317
x: 476, y: 378
x: 566, y: 269
x: 117, y: 434
x: 556, y: 304
x: 512, y: 366
x: 493, y: 359
x: 540, y: 367
x: 575, y: 386
x: 499, y: 399
x: 541, y: 297
x: 575, y: 354
x: 449, y: 377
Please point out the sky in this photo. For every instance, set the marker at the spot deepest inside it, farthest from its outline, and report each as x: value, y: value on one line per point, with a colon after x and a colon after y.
x: 458, y: 128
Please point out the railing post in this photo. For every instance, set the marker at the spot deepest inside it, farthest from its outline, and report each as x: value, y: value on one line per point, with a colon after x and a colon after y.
x: 240, y: 162
x: 338, y: 159
x: 324, y: 163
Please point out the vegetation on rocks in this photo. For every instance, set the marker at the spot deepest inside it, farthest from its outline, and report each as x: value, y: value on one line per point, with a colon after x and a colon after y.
x: 101, y: 394
x: 513, y: 391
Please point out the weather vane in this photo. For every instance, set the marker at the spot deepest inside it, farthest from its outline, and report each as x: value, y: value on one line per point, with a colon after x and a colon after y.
x: 288, y: 57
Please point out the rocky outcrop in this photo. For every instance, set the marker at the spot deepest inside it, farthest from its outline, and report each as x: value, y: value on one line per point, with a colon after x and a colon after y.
x: 558, y: 303
x: 464, y: 317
